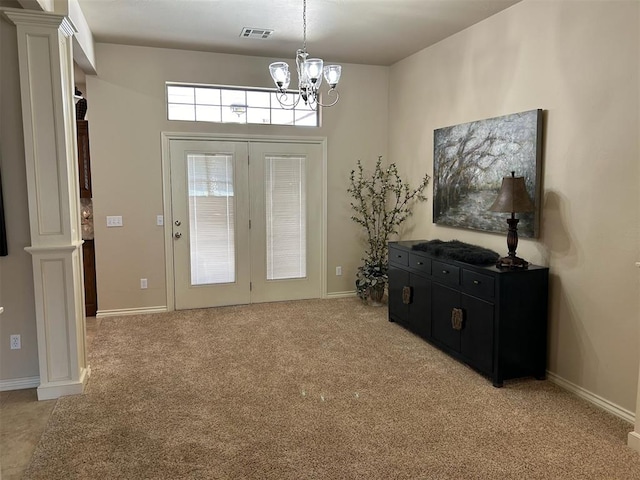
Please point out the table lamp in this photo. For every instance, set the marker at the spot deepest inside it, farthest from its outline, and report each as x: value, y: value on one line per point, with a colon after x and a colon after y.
x: 513, y: 198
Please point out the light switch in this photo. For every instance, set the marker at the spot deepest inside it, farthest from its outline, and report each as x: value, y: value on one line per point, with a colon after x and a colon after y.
x: 159, y: 220
x: 114, y: 221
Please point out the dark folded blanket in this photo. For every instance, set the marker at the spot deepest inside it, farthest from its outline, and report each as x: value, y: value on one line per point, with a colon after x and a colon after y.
x: 457, y: 250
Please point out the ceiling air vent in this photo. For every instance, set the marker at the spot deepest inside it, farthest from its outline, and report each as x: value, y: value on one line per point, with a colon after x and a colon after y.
x: 255, y: 33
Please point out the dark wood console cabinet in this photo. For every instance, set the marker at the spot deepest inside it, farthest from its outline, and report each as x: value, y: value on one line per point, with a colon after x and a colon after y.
x: 495, y: 320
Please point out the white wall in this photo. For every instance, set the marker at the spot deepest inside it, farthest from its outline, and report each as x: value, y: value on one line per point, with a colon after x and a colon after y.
x: 127, y: 114
x: 579, y: 61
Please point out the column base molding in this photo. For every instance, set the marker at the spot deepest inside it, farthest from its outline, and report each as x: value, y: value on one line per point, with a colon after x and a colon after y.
x: 60, y: 389
x: 634, y: 441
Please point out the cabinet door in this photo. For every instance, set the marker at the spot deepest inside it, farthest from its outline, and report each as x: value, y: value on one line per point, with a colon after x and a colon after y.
x: 476, y: 336
x: 444, y: 300
x: 398, y: 279
x: 420, y: 306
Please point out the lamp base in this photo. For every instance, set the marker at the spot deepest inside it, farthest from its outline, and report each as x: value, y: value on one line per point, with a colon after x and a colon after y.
x: 512, y: 262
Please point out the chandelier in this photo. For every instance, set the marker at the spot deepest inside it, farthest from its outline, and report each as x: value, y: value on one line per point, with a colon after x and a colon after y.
x: 310, y: 71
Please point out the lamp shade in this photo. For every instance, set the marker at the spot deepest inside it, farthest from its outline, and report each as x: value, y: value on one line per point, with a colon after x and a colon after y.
x: 332, y: 74
x: 313, y: 70
x: 513, y: 196
x: 280, y: 73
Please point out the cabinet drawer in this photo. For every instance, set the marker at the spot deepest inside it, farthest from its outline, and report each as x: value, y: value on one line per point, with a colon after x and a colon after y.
x: 418, y: 262
x: 399, y: 257
x: 445, y: 273
x: 477, y: 284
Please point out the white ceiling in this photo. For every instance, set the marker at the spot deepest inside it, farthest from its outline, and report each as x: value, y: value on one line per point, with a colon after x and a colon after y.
x: 374, y: 32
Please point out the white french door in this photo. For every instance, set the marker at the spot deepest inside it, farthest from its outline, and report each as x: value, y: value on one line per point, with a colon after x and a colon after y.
x: 247, y: 221
x: 210, y: 215
x: 286, y: 221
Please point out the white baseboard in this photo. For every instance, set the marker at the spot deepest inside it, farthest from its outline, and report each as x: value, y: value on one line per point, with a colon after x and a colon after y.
x: 634, y: 441
x: 19, y: 383
x: 591, y: 397
x: 130, y: 311
x: 352, y: 293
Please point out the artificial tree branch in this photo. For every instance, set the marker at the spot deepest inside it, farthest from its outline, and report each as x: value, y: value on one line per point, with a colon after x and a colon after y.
x: 382, y: 202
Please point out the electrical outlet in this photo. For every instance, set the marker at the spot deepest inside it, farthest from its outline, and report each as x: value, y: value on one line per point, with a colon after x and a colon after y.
x: 114, y: 220
x: 143, y: 283
x: 15, y: 342
x: 338, y: 271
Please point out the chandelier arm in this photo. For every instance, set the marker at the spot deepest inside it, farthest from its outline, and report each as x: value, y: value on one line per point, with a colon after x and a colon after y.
x: 331, y: 91
x: 280, y: 96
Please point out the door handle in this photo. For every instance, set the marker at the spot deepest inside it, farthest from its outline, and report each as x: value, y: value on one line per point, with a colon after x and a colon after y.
x: 178, y: 223
x: 456, y: 318
x: 406, y: 295
x: 177, y: 234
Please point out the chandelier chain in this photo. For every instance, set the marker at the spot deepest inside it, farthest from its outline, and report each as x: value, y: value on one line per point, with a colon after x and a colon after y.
x: 304, y: 26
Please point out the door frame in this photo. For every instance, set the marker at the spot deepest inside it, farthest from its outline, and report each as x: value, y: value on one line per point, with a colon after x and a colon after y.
x: 167, y: 137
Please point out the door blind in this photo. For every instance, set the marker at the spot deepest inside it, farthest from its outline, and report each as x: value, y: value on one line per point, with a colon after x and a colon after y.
x: 286, y: 219
x: 211, y: 218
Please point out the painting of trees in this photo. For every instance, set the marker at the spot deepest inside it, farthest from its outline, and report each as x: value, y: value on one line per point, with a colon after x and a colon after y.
x: 470, y: 161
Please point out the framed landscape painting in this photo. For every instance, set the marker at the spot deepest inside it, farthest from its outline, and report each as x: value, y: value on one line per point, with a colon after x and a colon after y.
x: 469, y: 162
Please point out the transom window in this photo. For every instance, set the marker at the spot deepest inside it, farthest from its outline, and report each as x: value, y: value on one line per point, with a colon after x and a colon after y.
x: 234, y: 105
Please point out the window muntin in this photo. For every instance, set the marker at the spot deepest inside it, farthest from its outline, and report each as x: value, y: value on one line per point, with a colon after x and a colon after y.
x: 234, y: 105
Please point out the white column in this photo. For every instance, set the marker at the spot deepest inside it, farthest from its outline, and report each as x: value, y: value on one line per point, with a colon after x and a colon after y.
x: 48, y: 114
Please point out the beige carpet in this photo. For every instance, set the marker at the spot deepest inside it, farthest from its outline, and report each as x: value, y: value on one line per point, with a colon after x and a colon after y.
x: 321, y: 389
